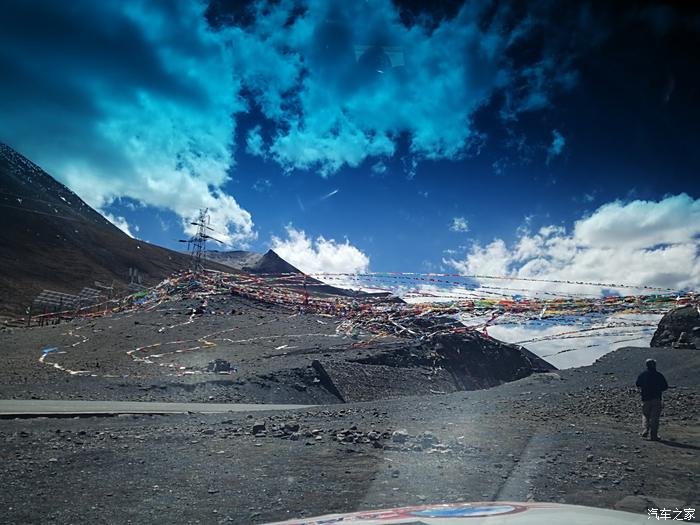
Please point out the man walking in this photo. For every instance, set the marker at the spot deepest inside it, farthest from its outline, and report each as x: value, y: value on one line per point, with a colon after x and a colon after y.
x: 651, y: 383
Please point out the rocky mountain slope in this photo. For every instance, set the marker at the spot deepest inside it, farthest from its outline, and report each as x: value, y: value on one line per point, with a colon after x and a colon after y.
x: 253, y: 262
x: 237, y: 259
x: 51, y: 239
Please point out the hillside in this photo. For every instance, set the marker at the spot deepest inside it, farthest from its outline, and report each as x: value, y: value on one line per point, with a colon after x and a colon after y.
x: 53, y: 240
x: 237, y: 259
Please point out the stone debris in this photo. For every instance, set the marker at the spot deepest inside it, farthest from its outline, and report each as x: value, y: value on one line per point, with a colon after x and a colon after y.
x: 399, y: 436
x: 220, y: 366
x: 398, y: 440
x: 259, y: 427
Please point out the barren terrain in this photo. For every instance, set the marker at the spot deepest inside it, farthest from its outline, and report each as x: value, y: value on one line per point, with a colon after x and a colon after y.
x: 567, y: 436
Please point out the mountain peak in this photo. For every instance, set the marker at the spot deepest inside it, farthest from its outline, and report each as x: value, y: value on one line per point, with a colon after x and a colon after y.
x: 271, y: 262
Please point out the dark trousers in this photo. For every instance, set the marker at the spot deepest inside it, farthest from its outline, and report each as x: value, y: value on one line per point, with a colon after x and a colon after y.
x: 651, y: 411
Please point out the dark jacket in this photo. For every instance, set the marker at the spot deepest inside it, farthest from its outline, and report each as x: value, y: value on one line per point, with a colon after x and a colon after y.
x: 652, y: 384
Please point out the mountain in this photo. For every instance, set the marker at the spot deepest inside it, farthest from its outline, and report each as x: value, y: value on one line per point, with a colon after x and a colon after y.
x: 51, y: 239
x: 271, y: 263
x: 252, y: 262
x: 237, y: 259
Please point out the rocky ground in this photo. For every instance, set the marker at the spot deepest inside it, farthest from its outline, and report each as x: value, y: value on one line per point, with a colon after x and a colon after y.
x: 277, y: 355
x: 262, y: 343
x: 570, y: 436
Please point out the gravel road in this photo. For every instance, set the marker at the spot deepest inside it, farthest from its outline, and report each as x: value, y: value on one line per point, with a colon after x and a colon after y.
x: 570, y: 436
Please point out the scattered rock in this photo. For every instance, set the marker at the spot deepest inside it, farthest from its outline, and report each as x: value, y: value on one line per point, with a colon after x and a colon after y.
x: 219, y: 365
x: 428, y: 438
x: 400, y: 436
x: 290, y: 427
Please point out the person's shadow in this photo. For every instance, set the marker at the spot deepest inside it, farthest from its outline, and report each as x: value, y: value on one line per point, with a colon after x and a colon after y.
x: 678, y: 445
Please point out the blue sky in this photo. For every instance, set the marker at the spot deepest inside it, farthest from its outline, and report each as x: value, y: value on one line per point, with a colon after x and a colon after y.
x: 391, y: 136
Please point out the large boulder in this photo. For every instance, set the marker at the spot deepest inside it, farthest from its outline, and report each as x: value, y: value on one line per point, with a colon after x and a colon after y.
x: 679, y: 328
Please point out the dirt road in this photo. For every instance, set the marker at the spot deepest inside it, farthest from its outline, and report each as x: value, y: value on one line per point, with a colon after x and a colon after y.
x: 568, y: 437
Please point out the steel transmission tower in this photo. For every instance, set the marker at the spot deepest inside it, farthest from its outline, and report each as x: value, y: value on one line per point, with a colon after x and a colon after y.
x: 197, y: 244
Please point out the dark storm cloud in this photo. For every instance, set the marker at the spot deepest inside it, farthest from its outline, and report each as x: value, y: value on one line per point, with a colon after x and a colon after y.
x: 57, y: 56
x: 63, y: 39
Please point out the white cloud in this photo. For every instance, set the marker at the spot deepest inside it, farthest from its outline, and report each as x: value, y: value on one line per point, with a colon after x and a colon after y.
x: 379, y: 168
x: 147, y: 108
x: 637, y: 243
x: 557, y: 146
x: 144, y: 101
x: 319, y: 255
x: 639, y: 224
x: 329, y: 93
x: 119, y: 222
x: 459, y: 224
x: 223, y: 211
x: 492, y: 259
x: 254, y: 141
